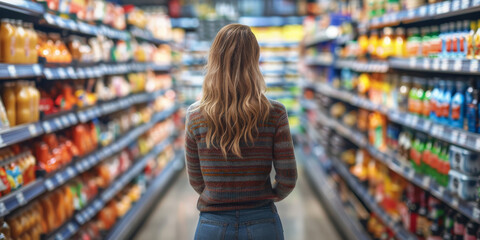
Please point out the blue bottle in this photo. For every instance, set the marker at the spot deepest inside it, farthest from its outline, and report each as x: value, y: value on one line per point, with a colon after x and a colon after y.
x: 440, y: 106
x: 434, y: 104
x: 447, y: 101
x: 471, y: 105
x: 457, y: 108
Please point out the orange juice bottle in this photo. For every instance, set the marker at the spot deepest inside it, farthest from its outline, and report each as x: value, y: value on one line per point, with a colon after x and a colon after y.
x: 31, y: 41
x: 8, y: 98
x: 34, y: 101
x: 23, y: 104
x: 7, y: 39
x: 20, y: 43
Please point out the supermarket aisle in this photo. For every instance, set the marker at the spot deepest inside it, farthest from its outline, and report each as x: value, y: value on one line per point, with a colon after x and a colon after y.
x: 176, y: 215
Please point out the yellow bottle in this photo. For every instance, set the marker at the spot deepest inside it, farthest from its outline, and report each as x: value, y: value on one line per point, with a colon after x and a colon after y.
x: 8, y: 98
x: 476, y: 39
x: 7, y: 38
x: 31, y: 41
x: 34, y: 101
x: 23, y: 103
x: 471, y: 40
x: 20, y: 43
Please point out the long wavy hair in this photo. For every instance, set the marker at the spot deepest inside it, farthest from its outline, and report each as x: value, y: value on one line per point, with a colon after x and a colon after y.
x: 233, y: 101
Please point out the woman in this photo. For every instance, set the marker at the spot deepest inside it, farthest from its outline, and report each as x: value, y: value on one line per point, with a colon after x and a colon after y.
x: 233, y: 135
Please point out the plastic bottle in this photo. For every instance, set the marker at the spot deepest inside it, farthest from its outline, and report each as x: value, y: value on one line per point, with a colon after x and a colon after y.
x: 476, y: 40
x: 34, y: 101
x: 471, y: 102
x: 31, y: 44
x: 459, y: 226
x: 434, y: 100
x: 399, y: 43
x: 413, y: 45
x: 471, y: 40
x: 451, y: 43
x: 20, y: 43
x: 457, y: 109
x: 9, y: 99
x: 444, y: 39
x: 404, y: 91
x: 464, y: 34
x: 425, y: 42
x: 8, y: 41
x: 420, y: 96
x: 446, y: 101
x: 435, y: 42
x: 412, y: 96
x: 23, y: 114
x: 426, y: 100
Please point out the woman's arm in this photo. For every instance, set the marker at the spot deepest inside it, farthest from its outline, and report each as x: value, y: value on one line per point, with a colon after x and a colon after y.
x: 283, y: 159
x: 193, y: 161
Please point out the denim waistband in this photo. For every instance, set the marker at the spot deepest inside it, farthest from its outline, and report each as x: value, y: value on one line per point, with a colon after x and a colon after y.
x: 245, y: 214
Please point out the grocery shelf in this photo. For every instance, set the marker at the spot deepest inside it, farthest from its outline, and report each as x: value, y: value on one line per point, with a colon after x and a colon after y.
x: 325, y: 60
x: 22, y: 196
x: 15, y: 71
x: 22, y: 6
x: 87, y: 213
x: 436, y: 11
x: 453, y: 66
x: 99, y: 70
x: 399, y: 231
x: 278, y: 44
x: 145, y: 35
x: 446, y: 133
x: 11, y: 71
x: 363, y: 66
x: 468, y: 209
x: 351, y: 228
x: 20, y: 133
x: 24, y: 132
x: 278, y: 59
x: 129, y: 223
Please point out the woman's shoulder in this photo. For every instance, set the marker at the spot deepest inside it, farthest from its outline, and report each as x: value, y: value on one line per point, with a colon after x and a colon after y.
x: 277, y: 107
x: 193, y: 111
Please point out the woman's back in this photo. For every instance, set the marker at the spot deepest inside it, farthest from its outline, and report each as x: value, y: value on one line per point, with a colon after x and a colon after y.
x: 234, y: 135
x: 241, y: 183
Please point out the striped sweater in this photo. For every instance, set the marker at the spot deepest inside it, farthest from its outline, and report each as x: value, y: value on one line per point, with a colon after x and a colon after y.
x: 241, y: 183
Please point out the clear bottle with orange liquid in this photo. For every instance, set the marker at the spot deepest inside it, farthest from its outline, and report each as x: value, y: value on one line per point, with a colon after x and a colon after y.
x: 7, y: 40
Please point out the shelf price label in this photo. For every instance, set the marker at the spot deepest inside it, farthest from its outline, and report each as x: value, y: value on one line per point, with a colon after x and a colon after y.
x: 12, y: 71
x: 49, y: 184
x: 412, y: 62
x: 473, y: 65
x: 36, y: 70
x: 436, y: 64
x: 20, y: 198
x: 444, y: 65
x: 457, y: 65
x: 3, y: 209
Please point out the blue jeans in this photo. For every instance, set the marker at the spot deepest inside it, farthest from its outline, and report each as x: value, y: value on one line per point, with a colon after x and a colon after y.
x: 258, y: 223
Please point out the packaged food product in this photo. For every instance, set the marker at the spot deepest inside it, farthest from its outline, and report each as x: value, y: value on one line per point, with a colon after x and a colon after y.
x: 462, y: 185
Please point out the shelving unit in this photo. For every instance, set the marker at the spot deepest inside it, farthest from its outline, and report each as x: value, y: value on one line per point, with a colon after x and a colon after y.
x: 97, y: 112
x: 404, y: 169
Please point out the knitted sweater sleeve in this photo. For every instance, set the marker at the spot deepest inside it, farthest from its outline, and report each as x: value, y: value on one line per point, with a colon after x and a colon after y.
x: 283, y: 159
x: 191, y: 155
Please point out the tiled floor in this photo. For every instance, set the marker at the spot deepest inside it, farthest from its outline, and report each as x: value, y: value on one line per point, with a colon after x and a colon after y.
x: 176, y: 216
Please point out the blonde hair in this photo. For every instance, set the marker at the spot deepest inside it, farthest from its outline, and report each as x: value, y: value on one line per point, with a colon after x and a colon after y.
x: 233, y: 101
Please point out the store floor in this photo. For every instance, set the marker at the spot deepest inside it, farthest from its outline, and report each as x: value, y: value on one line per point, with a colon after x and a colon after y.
x: 176, y: 216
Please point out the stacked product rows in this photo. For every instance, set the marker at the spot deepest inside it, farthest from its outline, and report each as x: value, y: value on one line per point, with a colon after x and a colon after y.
x: 88, y: 118
x: 397, y: 99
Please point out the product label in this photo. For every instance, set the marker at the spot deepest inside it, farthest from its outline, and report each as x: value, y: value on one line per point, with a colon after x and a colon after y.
x: 455, y: 112
x: 426, y: 108
x: 415, y: 156
x: 426, y: 157
x: 12, y: 47
x: 27, y: 47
